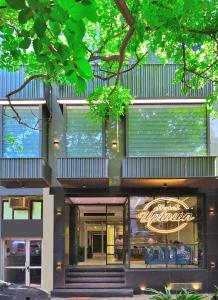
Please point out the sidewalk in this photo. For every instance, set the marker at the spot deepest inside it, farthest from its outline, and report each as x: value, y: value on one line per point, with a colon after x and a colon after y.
x: 135, y: 297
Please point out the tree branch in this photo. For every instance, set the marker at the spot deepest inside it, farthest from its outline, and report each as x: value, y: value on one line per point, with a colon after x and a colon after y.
x: 20, y: 88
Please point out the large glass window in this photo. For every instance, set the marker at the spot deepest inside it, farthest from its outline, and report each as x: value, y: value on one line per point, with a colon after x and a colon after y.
x: 167, y: 131
x: 25, y: 139
x: 166, y: 232
x: 84, y: 135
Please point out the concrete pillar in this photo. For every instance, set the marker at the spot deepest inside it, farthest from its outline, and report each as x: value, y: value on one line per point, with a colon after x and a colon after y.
x: 48, y: 240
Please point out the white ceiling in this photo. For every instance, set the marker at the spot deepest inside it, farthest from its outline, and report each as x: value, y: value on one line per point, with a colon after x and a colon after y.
x: 97, y: 200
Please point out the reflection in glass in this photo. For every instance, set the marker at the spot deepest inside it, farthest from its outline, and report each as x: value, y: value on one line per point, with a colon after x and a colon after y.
x: 21, y: 214
x: 84, y: 135
x: 7, y: 211
x: 26, y: 138
x: 15, y: 275
x: 35, y: 253
x: 36, y: 210
x: 167, y: 131
x: 35, y: 276
x: 15, y: 253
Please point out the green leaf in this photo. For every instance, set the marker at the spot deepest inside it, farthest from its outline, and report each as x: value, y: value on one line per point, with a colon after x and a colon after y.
x: 25, y: 43
x: 66, y: 4
x: 80, y: 84
x: 40, y: 27
x: 84, y: 68
x: 25, y: 33
x: 21, y: 148
x: 10, y: 139
x: 37, y: 45
x: 25, y: 15
x: 86, y: 9
x: 16, y: 4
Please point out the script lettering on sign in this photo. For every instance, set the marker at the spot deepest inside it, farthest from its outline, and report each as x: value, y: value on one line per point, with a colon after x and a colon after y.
x: 166, y: 210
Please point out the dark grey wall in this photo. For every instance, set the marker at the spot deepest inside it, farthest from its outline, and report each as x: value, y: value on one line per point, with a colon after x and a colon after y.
x: 21, y: 228
x: 158, y: 278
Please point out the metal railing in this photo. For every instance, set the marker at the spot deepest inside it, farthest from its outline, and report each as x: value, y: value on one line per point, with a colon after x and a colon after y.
x: 169, y: 167
x: 24, y: 168
x: 89, y: 167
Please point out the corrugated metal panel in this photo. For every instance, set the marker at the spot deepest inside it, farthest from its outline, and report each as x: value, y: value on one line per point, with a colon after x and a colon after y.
x: 156, y: 81
x: 82, y: 168
x: 23, y: 168
x: 11, y: 81
x: 168, y: 167
x: 146, y: 81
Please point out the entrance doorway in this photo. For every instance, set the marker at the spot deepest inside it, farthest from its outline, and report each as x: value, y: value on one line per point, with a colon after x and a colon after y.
x: 22, y: 261
x: 99, y: 236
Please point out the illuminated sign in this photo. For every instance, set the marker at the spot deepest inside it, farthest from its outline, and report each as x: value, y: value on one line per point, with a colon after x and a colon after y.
x: 168, y: 211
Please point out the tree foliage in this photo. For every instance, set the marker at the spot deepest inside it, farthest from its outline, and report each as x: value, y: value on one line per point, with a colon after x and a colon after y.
x: 62, y: 41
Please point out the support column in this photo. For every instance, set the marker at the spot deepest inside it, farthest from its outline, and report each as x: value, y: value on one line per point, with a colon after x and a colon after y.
x: 73, y: 257
x: 59, y: 241
x: 48, y: 240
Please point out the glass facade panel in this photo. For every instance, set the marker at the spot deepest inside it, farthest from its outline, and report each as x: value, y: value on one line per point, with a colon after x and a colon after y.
x: 15, y: 253
x: 21, y: 214
x: 166, y: 232
x: 35, y: 253
x: 15, y: 275
x: 7, y: 211
x: 167, y: 131
x: 25, y: 140
x: 36, y: 210
x: 84, y: 136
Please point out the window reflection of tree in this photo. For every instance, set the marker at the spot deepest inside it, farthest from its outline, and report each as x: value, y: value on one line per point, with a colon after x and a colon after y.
x: 24, y: 136
x: 167, y: 131
x: 84, y: 135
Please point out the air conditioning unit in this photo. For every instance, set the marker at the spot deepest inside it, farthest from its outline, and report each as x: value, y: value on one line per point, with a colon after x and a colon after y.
x: 19, y: 203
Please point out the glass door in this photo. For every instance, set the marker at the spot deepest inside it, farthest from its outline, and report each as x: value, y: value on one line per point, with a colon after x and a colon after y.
x: 22, y: 262
x: 115, y: 234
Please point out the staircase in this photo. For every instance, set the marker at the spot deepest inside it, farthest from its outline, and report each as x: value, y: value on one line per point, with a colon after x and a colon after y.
x: 94, y: 282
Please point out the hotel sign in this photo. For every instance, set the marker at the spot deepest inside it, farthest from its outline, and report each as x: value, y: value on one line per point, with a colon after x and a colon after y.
x: 170, y: 212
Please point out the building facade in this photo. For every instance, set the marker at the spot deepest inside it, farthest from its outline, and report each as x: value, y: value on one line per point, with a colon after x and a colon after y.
x: 109, y: 206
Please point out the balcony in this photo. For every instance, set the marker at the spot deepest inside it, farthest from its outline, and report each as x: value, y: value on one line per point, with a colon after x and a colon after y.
x: 83, y: 172
x: 198, y: 171
x: 24, y: 172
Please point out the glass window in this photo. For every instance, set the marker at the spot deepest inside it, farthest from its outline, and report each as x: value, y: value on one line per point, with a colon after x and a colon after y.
x: 36, y: 210
x: 26, y: 140
x: 21, y: 214
x: 167, y: 131
x: 84, y: 136
x: 166, y: 232
x: 7, y: 211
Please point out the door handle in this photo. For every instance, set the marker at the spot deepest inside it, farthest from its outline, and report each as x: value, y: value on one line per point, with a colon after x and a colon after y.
x: 28, y: 268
